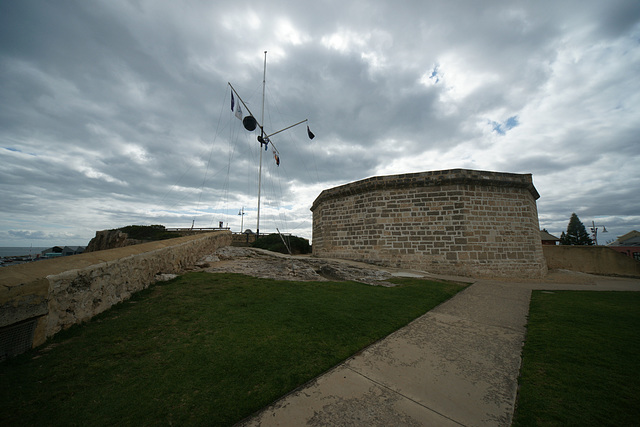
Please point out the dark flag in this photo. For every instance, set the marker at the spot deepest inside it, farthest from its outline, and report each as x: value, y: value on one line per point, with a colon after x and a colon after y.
x: 232, y: 101
x: 311, y: 135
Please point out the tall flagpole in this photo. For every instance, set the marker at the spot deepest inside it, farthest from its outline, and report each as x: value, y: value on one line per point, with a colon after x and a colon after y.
x: 264, y: 82
x: 264, y: 137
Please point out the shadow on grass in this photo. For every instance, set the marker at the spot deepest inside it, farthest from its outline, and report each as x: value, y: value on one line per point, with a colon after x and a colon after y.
x: 204, y: 349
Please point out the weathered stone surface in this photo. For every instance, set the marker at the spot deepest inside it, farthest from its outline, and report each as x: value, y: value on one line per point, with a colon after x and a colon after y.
x: 164, y: 277
x: 272, y: 265
x: 69, y: 290
x: 77, y: 295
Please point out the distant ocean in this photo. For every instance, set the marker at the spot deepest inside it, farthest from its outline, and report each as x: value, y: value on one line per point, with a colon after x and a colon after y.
x: 18, y: 251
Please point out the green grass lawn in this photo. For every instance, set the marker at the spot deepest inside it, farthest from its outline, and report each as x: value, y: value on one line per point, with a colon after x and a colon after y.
x: 203, y: 349
x: 581, y: 360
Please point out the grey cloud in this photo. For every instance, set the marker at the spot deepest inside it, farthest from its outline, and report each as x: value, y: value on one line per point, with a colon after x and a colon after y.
x: 119, y: 111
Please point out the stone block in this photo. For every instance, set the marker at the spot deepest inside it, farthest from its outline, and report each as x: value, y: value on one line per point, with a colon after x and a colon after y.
x: 457, y: 211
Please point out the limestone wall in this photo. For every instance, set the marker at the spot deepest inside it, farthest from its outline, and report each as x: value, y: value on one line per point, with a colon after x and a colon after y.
x: 591, y: 259
x: 63, y: 291
x: 459, y: 221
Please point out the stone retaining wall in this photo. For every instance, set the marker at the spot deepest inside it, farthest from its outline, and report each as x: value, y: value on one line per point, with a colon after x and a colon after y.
x: 591, y: 259
x: 462, y: 222
x: 64, y: 291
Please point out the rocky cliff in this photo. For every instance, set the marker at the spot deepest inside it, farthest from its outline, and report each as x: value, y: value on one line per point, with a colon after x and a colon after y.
x: 129, y: 235
x: 109, y: 239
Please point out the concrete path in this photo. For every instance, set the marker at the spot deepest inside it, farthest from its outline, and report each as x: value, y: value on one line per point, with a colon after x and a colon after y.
x: 456, y: 365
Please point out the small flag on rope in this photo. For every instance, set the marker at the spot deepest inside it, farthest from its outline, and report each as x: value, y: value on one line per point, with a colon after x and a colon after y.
x: 275, y: 156
x: 238, y: 111
x: 233, y: 101
x: 311, y: 135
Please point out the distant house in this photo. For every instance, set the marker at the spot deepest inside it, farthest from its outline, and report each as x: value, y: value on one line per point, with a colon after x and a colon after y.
x: 548, y: 239
x: 57, y: 251
x: 628, y: 244
x: 52, y: 252
x: 72, y: 250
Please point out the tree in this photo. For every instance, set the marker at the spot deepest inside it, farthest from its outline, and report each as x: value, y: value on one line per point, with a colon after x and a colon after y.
x: 576, y: 233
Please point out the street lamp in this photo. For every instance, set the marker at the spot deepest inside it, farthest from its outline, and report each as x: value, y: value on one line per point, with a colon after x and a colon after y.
x: 241, y: 213
x: 594, y: 231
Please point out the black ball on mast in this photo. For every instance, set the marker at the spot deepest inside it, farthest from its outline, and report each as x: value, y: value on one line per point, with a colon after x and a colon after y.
x: 249, y: 123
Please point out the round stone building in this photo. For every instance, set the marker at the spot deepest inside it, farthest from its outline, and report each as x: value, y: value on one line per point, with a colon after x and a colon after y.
x: 458, y: 221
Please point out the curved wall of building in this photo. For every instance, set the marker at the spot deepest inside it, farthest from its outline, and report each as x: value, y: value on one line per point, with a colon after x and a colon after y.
x: 459, y: 221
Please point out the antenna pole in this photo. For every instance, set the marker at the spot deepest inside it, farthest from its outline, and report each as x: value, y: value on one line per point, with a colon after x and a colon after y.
x: 264, y: 83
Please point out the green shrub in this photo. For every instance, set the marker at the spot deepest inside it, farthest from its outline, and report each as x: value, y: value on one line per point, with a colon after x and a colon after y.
x: 273, y: 242
x: 148, y: 232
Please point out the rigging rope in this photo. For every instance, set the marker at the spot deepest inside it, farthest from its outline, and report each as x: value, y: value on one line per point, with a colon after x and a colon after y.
x: 204, y: 180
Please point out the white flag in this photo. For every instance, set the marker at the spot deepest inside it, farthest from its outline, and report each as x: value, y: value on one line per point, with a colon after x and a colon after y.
x: 238, y: 111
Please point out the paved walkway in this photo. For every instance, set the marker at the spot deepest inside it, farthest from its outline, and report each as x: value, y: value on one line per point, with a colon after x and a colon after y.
x: 456, y: 365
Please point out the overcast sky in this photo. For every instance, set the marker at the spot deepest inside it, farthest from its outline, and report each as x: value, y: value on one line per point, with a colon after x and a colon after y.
x: 118, y: 112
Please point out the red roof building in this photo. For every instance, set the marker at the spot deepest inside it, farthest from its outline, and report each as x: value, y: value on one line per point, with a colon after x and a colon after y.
x: 548, y: 239
x: 628, y: 244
